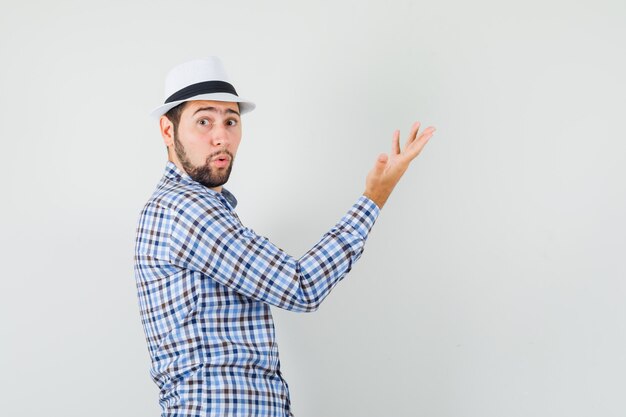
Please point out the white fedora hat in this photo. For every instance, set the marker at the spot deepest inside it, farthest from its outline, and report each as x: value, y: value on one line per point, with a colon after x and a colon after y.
x: 200, y: 79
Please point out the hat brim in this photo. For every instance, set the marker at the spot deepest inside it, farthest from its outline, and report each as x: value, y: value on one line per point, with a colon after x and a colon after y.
x: 245, y: 106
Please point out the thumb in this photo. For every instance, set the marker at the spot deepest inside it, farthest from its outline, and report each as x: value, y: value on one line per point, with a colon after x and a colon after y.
x: 381, y: 163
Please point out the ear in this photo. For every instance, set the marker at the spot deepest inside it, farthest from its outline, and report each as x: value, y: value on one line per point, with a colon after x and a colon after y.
x: 167, y: 130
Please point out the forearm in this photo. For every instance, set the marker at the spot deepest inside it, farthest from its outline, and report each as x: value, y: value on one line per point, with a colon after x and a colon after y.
x: 322, y: 267
x: 211, y: 241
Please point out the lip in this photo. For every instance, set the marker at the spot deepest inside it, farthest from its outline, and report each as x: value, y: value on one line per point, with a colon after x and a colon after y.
x: 223, y: 156
x: 221, y: 161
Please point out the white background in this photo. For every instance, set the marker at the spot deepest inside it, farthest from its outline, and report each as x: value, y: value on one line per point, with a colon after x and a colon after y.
x: 493, y: 282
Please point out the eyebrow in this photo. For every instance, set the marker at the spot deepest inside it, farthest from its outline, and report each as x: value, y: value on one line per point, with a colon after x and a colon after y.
x: 215, y: 109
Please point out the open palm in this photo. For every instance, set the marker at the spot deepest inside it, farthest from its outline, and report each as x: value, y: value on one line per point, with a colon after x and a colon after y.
x: 389, y: 169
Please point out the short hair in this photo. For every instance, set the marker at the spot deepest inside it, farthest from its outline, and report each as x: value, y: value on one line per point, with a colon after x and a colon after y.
x: 174, y: 113
x: 173, y: 116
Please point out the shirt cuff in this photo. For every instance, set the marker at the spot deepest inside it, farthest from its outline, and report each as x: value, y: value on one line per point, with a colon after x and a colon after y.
x: 361, y: 216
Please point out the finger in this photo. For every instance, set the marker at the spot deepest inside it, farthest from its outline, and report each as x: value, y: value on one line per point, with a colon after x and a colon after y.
x: 395, y: 143
x: 412, y: 135
x: 413, y: 132
x: 417, y: 146
x: 427, y: 132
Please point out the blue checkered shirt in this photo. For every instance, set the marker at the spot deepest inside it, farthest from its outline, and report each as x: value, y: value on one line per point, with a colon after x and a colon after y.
x: 205, y: 285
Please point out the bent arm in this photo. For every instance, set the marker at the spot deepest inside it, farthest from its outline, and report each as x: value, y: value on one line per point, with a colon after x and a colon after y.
x: 206, y: 237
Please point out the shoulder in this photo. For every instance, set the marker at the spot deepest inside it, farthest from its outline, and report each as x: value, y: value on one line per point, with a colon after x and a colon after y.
x: 180, y: 199
x: 189, y: 197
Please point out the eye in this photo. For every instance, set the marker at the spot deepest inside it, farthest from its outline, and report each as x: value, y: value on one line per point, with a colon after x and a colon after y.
x: 231, y: 122
x: 204, y: 122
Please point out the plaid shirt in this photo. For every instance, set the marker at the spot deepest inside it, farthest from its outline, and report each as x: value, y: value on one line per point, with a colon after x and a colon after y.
x: 205, y: 285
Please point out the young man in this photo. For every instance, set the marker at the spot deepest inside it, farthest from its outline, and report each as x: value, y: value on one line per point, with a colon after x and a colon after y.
x: 206, y: 282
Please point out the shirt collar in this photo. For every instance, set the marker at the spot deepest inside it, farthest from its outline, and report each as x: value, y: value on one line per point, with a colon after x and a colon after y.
x: 174, y: 174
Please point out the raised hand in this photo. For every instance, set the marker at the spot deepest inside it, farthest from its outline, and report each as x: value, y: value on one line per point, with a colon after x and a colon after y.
x: 389, y: 169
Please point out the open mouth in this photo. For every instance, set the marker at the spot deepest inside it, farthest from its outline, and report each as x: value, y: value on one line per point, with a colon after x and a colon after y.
x: 222, y: 157
x: 221, y: 160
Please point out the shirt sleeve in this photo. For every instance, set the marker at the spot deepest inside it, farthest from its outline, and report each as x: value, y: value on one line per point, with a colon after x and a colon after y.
x: 209, y: 238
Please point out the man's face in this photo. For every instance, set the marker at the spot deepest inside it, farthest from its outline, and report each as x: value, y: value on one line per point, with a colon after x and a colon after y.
x: 207, y: 139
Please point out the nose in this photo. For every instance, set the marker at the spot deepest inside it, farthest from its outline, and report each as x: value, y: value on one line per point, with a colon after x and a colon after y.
x: 219, y: 135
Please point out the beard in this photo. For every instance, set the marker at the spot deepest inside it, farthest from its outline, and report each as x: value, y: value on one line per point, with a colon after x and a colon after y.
x: 204, y: 174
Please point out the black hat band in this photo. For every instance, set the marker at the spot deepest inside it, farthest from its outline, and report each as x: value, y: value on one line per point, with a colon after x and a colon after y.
x: 205, y: 87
